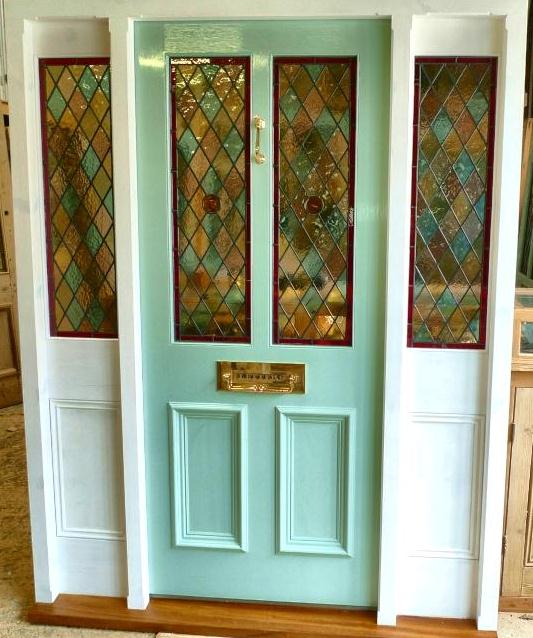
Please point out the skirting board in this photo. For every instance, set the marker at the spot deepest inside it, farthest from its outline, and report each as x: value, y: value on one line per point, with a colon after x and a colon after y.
x: 218, y: 618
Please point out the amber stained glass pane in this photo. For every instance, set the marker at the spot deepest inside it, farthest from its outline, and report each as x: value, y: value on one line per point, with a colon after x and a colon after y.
x: 210, y: 136
x: 78, y: 185
x: 314, y: 102
x: 452, y: 173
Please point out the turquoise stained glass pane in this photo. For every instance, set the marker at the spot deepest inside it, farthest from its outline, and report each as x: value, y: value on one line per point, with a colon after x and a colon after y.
x: 314, y: 198
x: 78, y: 176
x: 210, y: 137
x: 452, y: 146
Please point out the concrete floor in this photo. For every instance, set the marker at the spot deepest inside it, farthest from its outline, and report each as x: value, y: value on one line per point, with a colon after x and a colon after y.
x: 16, y: 585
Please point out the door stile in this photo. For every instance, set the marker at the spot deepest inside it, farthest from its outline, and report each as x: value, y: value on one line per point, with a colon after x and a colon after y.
x: 129, y: 315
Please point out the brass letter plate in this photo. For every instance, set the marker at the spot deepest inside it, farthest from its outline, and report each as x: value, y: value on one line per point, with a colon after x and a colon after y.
x: 248, y: 376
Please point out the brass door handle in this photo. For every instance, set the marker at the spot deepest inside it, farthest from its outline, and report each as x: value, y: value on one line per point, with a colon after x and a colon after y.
x: 259, y: 124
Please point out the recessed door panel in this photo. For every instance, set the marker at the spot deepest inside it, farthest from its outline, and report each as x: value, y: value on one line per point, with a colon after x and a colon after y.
x: 262, y: 155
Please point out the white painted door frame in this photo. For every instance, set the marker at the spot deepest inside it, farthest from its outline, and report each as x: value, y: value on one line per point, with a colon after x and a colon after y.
x: 511, y: 19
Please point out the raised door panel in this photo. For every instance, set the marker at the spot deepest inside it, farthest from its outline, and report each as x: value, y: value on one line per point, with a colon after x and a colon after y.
x: 315, y: 479
x: 87, y: 435
x: 209, y: 475
x: 445, y: 480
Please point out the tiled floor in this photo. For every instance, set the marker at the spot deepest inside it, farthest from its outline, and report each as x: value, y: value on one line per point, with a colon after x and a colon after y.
x: 16, y: 587
x: 516, y: 626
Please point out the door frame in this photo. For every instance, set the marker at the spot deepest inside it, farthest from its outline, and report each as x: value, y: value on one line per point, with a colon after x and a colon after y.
x: 507, y: 23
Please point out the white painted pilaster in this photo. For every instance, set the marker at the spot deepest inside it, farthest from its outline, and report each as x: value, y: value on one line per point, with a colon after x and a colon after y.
x: 508, y: 149
x: 129, y: 316
x: 396, y: 364
x: 32, y: 302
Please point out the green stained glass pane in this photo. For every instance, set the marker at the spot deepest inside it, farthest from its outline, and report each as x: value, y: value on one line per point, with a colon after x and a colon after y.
x: 211, y: 163
x: 314, y: 200
x: 55, y: 104
x: 456, y: 101
x: 79, y: 197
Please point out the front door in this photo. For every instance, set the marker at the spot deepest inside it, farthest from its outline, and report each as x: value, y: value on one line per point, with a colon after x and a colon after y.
x: 263, y: 246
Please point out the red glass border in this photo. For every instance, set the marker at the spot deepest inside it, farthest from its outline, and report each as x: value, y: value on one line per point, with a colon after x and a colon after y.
x: 352, y: 62
x: 43, y: 63
x: 245, y: 62
x: 419, y: 60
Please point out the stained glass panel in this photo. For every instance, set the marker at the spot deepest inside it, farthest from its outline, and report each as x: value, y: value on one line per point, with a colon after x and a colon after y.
x: 78, y: 188
x: 211, y: 166
x: 451, y: 207
x: 314, y: 137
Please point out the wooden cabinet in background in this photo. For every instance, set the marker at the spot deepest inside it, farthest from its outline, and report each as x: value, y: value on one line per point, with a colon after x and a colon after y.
x: 517, y: 577
x: 517, y: 548
x: 10, y: 386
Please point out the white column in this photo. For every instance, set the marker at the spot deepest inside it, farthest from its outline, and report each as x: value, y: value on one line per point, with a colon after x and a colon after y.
x: 510, y: 104
x: 32, y: 299
x: 396, y: 359
x: 129, y: 308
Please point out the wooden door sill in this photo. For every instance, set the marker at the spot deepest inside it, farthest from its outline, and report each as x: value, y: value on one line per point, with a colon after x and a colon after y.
x: 234, y: 619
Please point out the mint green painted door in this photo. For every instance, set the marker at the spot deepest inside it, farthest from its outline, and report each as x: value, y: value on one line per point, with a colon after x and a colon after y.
x: 260, y: 496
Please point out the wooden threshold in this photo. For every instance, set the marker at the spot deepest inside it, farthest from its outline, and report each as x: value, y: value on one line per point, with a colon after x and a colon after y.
x: 218, y: 618
x: 516, y: 604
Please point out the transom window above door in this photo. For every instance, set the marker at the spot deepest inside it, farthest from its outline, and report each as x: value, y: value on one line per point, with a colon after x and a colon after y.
x: 313, y: 177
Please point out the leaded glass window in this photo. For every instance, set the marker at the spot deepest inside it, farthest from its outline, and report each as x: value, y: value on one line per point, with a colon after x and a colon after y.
x: 78, y: 190
x: 211, y: 207
x: 314, y: 144
x: 451, y: 203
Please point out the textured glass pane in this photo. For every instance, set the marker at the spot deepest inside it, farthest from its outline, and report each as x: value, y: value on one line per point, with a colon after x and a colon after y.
x: 76, y: 121
x: 452, y: 176
x: 314, y: 104
x: 3, y: 257
x: 211, y: 157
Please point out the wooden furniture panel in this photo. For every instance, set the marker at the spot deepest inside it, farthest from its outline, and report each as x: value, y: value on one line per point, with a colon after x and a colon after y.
x: 10, y: 385
x: 515, y: 541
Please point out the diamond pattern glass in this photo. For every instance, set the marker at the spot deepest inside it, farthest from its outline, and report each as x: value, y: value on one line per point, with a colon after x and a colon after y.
x: 78, y: 188
x: 211, y: 176
x: 314, y: 137
x: 451, y: 202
